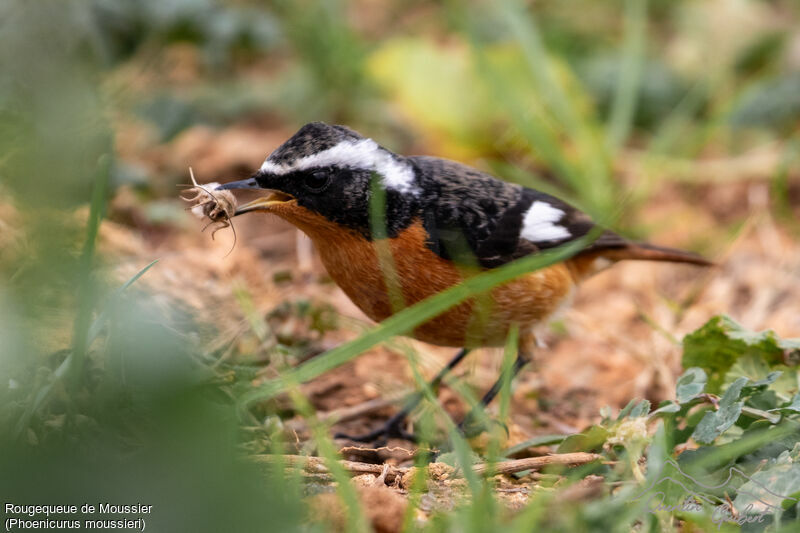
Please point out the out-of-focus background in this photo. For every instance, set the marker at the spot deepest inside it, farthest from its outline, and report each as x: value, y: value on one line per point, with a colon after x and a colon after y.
x: 673, y: 120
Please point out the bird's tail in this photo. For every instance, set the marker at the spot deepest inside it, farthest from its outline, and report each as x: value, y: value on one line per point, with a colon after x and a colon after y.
x: 642, y: 251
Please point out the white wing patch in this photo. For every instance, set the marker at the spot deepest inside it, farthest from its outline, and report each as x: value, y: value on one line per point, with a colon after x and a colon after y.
x: 364, y: 154
x: 539, y: 223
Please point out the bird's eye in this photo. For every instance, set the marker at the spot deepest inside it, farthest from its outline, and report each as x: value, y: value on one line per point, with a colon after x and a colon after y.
x: 317, y: 180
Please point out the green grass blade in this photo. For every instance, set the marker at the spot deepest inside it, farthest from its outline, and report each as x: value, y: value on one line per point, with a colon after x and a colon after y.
x: 80, y: 332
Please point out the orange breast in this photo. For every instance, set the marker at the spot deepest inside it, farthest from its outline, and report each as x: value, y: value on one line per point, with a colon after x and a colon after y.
x: 353, y: 263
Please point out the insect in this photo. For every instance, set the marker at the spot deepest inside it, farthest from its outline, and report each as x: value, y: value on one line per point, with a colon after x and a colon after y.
x: 218, y: 206
x: 441, y: 221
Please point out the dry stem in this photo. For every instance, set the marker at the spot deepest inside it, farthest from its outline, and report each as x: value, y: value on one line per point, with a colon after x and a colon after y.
x: 316, y: 465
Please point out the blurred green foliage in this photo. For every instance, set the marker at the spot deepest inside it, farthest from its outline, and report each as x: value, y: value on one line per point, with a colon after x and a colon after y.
x: 219, y: 29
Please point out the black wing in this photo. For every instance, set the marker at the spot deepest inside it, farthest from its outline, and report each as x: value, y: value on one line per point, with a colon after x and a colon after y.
x: 471, y: 216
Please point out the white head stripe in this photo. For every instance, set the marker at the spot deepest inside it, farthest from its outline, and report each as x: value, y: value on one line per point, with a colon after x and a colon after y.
x: 538, y: 224
x: 364, y: 153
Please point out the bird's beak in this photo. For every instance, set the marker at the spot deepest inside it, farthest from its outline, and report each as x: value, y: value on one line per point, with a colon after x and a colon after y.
x: 249, y: 183
x: 259, y: 204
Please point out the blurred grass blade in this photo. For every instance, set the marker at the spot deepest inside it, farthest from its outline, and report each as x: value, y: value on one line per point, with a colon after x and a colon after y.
x: 410, y: 317
x: 383, y: 250
x: 81, y: 326
x: 356, y: 519
x: 625, y: 99
x: 511, y: 352
x: 99, y: 322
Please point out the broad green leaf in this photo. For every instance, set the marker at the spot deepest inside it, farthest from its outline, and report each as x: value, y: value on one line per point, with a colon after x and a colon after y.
x: 770, y: 490
x: 714, y: 423
x: 590, y: 440
x: 721, y: 342
x: 733, y: 393
x: 690, y: 384
x: 781, y: 379
x: 760, y: 407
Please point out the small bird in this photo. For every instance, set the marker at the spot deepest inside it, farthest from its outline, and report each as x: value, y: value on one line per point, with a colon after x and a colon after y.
x: 443, y: 222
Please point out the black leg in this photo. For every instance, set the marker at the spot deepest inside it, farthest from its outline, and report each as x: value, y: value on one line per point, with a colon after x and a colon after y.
x: 393, y: 427
x: 468, y: 426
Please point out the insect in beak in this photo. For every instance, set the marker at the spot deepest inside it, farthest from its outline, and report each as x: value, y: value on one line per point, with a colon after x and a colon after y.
x: 259, y: 204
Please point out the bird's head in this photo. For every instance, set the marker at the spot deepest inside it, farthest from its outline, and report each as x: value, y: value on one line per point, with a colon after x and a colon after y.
x: 330, y: 172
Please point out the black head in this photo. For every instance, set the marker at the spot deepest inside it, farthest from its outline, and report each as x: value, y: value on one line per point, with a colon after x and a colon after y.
x: 332, y: 171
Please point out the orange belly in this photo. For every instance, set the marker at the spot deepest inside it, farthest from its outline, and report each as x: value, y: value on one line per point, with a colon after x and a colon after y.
x: 353, y: 263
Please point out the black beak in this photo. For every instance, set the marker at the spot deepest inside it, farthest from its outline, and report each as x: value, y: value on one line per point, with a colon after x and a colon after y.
x: 249, y: 183
x: 259, y: 204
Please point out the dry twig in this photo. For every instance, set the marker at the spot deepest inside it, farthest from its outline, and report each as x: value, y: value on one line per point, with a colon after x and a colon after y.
x: 316, y: 465
x: 535, y: 463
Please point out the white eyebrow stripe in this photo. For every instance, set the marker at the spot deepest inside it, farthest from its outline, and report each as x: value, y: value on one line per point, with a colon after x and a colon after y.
x: 538, y: 223
x: 364, y: 153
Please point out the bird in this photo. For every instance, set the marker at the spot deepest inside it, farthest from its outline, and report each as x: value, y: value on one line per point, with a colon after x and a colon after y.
x: 443, y: 221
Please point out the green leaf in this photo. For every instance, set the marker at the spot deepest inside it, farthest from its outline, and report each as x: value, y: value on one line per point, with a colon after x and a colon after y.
x: 771, y: 378
x: 770, y: 490
x: 794, y: 453
x: 714, y: 423
x: 634, y: 409
x: 590, y: 440
x: 690, y: 384
x: 721, y: 342
x: 793, y: 406
x: 778, y: 378
x: 733, y: 393
x: 666, y: 407
x: 640, y: 409
x: 773, y: 103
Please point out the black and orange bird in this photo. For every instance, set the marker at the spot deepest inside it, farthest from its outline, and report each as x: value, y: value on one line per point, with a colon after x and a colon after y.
x: 443, y: 220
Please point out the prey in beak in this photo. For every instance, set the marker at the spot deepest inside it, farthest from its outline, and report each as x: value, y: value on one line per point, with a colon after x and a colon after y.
x: 263, y: 203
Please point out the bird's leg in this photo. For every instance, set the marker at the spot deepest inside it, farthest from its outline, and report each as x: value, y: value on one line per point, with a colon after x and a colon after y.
x: 468, y: 427
x: 393, y: 428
